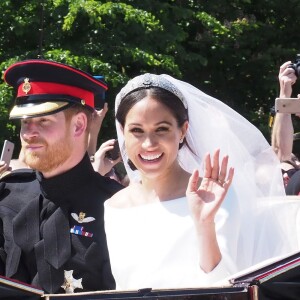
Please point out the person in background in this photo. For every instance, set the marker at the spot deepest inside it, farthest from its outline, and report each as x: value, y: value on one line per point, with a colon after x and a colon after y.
x: 284, y: 141
x: 195, y: 186
x: 15, y: 164
x: 101, y: 161
x: 104, y: 164
x: 4, y: 168
x: 52, y: 234
x: 96, y: 123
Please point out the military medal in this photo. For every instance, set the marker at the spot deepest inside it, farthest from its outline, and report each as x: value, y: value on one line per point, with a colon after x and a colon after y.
x: 79, y: 230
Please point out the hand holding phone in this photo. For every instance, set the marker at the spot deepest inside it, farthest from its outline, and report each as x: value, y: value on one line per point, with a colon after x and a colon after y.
x: 287, y: 105
x: 7, y: 152
x: 115, y: 152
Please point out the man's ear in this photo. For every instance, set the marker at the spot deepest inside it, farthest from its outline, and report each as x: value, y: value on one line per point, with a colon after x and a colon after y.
x: 79, y: 124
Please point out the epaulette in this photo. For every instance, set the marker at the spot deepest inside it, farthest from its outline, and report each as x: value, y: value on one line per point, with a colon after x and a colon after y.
x: 18, y: 175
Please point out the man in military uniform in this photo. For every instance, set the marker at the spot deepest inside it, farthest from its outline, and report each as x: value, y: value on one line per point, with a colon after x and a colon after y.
x: 51, y: 220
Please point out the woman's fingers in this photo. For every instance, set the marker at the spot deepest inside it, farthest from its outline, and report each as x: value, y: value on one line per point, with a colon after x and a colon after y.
x: 193, y: 182
x: 216, y: 171
x: 216, y: 165
x: 223, y: 170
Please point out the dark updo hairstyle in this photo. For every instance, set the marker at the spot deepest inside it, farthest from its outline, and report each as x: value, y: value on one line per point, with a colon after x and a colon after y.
x: 168, y: 99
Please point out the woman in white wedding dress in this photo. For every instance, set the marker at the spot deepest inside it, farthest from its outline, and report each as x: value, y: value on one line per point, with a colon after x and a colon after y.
x: 195, y: 210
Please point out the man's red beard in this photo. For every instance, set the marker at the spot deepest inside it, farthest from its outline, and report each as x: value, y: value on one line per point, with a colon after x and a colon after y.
x: 50, y: 157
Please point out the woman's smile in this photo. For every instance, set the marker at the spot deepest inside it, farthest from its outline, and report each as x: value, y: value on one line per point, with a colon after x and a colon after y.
x: 151, y: 157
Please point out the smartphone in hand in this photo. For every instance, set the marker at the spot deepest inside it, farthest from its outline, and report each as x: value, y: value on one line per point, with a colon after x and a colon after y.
x: 287, y: 105
x: 7, y: 152
x: 115, y: 152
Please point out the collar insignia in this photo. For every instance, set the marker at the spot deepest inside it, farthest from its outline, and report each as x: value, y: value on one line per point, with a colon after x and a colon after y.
x: 81, y: 218
x: 70, y: 283
x: 26, y: 86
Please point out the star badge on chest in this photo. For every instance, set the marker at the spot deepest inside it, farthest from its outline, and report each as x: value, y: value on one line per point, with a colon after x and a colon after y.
x: 81, y: 218
x: 70, y: 283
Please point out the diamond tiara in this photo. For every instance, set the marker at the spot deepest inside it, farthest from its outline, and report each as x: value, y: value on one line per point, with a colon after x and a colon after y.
x: 147, y: 81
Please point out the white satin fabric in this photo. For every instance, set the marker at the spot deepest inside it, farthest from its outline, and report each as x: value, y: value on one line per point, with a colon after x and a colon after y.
x: 155, y: 246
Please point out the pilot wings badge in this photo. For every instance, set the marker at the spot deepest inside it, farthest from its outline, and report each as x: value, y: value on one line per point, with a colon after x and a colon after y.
x: 81, y: 218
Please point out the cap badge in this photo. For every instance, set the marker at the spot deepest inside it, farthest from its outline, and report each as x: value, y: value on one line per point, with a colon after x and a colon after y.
x: 81, y: 218
x: 79, y: 230
x: 26, y: 86
x: 70, y: 283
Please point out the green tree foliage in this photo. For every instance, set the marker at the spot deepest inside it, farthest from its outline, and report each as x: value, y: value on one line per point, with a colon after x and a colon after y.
x: 230, y: 49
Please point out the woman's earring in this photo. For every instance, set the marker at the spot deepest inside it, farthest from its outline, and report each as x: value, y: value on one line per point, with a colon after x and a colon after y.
x: 181, y: 140
x: 131, y: 165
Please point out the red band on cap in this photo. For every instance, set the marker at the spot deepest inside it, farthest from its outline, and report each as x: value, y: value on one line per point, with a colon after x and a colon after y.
x: 41, y: 88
